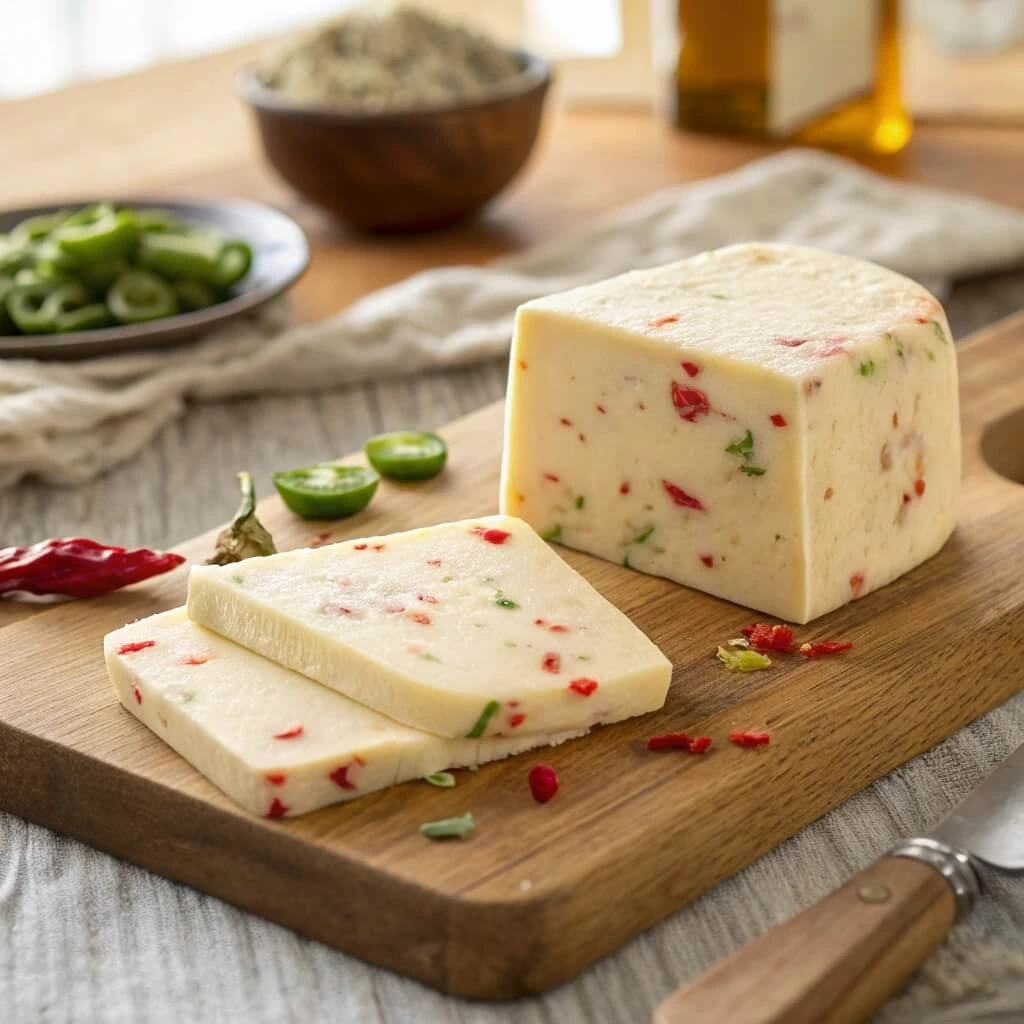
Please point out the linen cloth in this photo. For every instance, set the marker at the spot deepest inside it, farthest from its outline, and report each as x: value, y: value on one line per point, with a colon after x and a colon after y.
x: 68, y: 422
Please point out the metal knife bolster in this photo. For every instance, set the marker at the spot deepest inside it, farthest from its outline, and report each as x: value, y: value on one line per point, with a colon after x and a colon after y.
x: 953, y: 863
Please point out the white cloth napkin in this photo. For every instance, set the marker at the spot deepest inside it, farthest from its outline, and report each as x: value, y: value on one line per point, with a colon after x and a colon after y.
x: 68, y: 422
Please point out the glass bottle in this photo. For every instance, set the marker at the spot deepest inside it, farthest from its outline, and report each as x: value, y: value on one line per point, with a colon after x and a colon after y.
x: 815, y: 72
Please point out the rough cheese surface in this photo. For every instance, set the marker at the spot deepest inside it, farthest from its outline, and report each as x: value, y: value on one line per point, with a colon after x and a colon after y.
x: 475, y: 628
x: 775, y: 425
x: 275, y: 742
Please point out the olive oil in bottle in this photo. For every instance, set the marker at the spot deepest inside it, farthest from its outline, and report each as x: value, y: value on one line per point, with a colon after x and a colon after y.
x: 816, y: 72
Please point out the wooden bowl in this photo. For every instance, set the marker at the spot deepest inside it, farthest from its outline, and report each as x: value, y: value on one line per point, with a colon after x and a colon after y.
x: 402, y: 170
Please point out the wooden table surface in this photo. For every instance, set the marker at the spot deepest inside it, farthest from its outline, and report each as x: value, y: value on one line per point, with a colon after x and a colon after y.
x: 177, y: 129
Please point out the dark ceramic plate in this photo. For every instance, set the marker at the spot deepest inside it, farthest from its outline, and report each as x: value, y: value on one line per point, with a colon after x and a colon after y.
x: 280, y: 255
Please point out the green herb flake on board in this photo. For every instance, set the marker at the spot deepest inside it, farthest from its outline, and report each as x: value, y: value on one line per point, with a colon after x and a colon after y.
x: 489, y: 711
x: 449, y: 828
x: 867, y: 367
x: 743, y: 661
x: 443, y: 780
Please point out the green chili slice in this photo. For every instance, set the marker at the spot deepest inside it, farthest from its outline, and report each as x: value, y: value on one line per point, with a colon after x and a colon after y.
x: 194, y: 294
x: 407, y: 455
x: 327, y: 490
x: 35, y: 228
x: 25, y: 306
x: 154, y: 219
x: 179, y: 255
x: 233, y: 263
x: 136, y: 297
x: 85, y: 318
x: 109, y: 236
x: 449, y: 828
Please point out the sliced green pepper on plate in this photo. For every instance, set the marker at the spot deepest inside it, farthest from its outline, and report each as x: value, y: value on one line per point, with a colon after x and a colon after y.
x: 26, y: 307
x: 111, y: 235
x: 136, y: 297
x: 178, y: 255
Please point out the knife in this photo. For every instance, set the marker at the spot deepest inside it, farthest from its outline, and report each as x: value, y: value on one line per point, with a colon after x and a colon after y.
x: 841, y: 959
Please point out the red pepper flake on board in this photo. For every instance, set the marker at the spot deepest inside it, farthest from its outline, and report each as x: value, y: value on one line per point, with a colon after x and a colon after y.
x: 857, y: 583
x: 194, y: 659
x: 276, y: 778
x: 552, y: 477
x: 543, y: 782
x: 680, y: 741
x: 492, y: 536
x: 824, y: 647
x: 419, y: 617
x: 136, y: 646
x: 919, y: 488
x: 661, y: 321
x: 828, y: 493
x: 321, y: 539
x: 584, y: 687
x: 906, y: 498
x: 340, y: 777
x: 749, y: 739
x: 708, y: 560
x: 551, y: 662
x: 689, y: 402
x: 290, y: 733
x: 602, y: 410
x: 765, y: 638
x: 516, y: 720
x: 680, y: 497
x: 778, y: 419
x: 624, y: 487
x: 137, y: 694
x: 277, y: 809
x: 692, y: 369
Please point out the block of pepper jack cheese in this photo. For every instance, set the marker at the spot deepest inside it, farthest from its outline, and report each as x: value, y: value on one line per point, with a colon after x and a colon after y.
x: 275, y: 742
x: 468, y: 629
x: 772, y: 424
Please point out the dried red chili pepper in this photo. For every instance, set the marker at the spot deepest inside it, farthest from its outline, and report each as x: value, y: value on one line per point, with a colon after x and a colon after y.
x: 77, y: 567
x: 543, y: 782
x: 699, y: 744
x: 824, y: 647
x: 749, y: 739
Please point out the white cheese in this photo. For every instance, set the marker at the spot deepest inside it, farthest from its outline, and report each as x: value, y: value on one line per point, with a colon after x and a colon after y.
x: 772, y: 424
x: 272, y: 740
x: 474, y: 628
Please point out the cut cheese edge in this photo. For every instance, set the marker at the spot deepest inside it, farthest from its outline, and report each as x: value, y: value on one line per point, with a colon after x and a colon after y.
x: 475, y: 628
x: 275, y: 742
x: 775, y: 425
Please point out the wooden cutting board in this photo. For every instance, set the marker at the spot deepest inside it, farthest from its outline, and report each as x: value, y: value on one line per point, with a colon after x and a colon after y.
x: 539, y: 892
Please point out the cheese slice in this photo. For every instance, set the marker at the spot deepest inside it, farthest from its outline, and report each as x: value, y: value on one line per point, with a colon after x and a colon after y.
x: 772, y: 424
x: 474, y: 628
x: 275, y: 742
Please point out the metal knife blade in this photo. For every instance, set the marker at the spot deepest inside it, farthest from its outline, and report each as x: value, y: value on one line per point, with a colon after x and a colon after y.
x: 989, y: 822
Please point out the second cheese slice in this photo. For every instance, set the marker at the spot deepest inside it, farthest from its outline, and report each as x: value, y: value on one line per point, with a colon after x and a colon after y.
x: 470, y: 629
x: 276, y: 743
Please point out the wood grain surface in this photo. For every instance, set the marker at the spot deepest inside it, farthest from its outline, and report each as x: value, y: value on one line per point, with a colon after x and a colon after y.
x: 539, y: 892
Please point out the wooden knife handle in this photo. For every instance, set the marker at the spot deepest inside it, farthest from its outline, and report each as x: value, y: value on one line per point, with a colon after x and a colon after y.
x: 833, y: 964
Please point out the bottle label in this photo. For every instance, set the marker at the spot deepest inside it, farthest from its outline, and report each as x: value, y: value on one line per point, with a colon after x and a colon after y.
x: 821, y: 53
